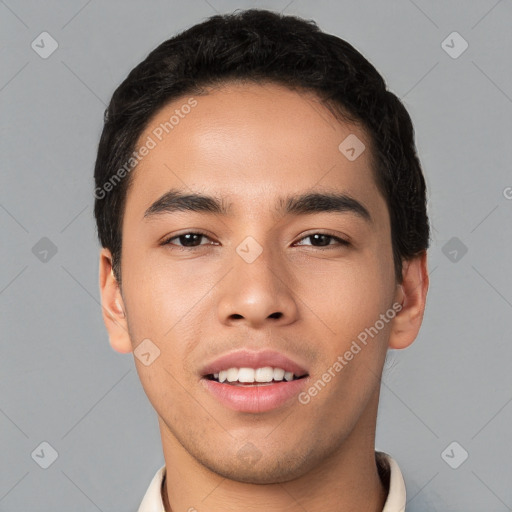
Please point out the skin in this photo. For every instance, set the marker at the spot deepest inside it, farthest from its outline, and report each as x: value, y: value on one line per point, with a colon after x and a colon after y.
x: 251, y: 144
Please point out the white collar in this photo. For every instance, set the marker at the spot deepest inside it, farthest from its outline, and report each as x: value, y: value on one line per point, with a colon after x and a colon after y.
x: 152, y: 501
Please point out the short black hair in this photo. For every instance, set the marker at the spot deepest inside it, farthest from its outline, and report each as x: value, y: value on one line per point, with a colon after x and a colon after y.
x: 257, y: 45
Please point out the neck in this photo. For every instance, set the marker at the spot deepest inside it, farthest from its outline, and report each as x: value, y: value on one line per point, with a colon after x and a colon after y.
x: 346, y: 479
x: 281, y: 498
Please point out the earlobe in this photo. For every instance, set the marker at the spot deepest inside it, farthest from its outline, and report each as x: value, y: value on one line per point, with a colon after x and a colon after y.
x: 411, y: 294
x: 114, y: 311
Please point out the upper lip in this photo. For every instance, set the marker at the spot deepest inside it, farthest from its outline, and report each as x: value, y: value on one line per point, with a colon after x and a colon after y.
x: 253, y: 359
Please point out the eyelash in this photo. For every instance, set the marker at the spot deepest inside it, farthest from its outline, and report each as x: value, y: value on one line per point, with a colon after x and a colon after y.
x: 340, y: 241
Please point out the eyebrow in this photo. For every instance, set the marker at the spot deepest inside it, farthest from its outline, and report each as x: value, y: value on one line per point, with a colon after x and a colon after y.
x: 299, y: 204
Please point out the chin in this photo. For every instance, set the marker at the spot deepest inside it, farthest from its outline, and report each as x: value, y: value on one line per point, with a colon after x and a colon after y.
x: 265, y: 470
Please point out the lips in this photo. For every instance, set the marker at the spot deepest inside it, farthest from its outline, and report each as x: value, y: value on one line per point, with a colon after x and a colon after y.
x: 254, y: 397
x: 253, y: 359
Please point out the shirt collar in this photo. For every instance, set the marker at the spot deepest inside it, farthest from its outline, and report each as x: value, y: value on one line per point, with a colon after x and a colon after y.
x: 388, y: 470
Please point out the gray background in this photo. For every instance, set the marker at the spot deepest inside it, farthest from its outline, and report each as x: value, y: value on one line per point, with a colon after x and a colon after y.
x: 61, y: 383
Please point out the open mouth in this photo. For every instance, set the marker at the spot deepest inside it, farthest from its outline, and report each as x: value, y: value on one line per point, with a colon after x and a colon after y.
x: 255, y: 389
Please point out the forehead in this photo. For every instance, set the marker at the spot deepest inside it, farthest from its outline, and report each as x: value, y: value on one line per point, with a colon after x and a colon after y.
x: 250, y: 143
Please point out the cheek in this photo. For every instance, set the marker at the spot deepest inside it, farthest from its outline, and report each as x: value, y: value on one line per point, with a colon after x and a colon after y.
x: 352, y: 297
x: 168, y: 302
x: 154, y: 291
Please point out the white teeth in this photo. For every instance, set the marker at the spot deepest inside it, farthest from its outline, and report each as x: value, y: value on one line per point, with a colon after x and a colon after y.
x: 248, y: 375
x: 245, y: 375
x: 265, y: 374
x: 278, y: 374
x: 232, y: 374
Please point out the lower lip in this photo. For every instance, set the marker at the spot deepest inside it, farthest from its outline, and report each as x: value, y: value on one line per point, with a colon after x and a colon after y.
x: 255, y: 398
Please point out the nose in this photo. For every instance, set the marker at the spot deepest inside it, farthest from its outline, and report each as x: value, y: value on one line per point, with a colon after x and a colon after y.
x: 258, y: 293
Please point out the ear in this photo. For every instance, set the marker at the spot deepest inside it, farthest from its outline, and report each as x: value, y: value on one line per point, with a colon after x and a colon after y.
x: 412, y: 294
x: 112, y: 305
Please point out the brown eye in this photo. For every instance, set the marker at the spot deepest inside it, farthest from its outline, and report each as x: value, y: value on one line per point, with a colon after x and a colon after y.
x: 186, y: 240
x: 322, y: 240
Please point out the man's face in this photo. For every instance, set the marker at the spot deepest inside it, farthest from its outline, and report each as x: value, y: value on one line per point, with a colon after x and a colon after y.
x: 306, y: 296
